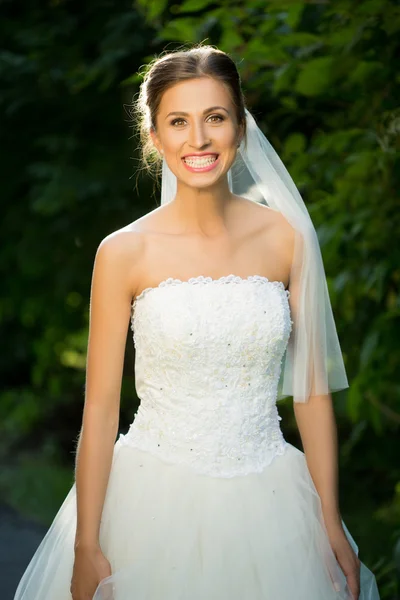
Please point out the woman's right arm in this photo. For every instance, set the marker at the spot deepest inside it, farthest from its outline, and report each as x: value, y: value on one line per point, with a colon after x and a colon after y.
x: 110, y: 306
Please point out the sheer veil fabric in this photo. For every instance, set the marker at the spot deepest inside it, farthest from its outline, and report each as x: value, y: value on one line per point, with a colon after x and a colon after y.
x: 313, y: 362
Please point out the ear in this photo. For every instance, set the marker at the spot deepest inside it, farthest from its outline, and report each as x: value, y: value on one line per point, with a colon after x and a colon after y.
x: 156, y: 141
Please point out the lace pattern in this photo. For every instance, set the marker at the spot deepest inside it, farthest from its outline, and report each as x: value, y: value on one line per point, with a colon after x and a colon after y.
x: 235, y: 449
x: 207, y: 366
x: 200, y: 279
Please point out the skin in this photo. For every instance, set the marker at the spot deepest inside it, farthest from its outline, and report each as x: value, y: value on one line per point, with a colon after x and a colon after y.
x: 205, y: 230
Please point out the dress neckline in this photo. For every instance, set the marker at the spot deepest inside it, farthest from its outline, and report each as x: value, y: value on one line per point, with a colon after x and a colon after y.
x: 205, y: 279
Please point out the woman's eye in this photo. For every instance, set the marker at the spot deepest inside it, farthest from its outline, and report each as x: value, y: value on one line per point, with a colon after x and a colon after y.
x: 176, y: 121
x: 218, y: 117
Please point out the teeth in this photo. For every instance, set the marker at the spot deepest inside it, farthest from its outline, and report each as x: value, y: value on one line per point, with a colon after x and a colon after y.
x: 199, y: 162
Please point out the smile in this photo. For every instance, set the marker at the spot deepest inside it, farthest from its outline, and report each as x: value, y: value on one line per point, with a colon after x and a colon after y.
x: 200, y: 163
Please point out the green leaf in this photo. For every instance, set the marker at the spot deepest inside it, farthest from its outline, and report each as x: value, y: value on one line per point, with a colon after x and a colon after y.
x: 315, y: 76
x: 230, y: 41
x: 300, y: 39
x: 364, y: 71
x: 284, y: 77
x: 354, y: 400
x: 152, y: 8
x: 294, y: 144
x: 181, y: 30
x: 135, y: 78
x: 391, y: 20
x: 294, y: 14
x: 193, y: 6
x: 368, y: 348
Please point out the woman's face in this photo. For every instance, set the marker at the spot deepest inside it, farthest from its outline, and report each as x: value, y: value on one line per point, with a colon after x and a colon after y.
x: 197, y: 131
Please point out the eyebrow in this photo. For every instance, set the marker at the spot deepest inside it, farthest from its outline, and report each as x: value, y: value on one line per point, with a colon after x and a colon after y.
x: 185, y: 114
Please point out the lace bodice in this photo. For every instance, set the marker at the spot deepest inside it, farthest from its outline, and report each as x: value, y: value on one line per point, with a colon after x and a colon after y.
x: 207, y: 367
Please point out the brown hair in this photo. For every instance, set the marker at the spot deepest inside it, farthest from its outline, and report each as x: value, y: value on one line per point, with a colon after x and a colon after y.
x: 173, y: 67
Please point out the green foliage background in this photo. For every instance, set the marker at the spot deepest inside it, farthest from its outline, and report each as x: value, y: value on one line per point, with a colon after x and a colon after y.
x: 321, y: 79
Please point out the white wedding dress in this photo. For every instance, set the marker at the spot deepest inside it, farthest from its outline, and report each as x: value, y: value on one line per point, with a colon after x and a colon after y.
x: 206, y: 500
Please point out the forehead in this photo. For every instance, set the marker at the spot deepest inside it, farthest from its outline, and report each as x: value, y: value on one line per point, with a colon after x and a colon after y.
x: 195, y: 95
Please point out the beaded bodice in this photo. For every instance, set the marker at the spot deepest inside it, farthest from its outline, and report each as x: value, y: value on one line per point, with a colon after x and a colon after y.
x: 208, y: 356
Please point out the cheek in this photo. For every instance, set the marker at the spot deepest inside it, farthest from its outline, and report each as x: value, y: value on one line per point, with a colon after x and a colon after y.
x: 173, y: 144
x: 225, y: 137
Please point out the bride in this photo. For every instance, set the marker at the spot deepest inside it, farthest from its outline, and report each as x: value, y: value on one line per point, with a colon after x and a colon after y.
x: 224, y: 288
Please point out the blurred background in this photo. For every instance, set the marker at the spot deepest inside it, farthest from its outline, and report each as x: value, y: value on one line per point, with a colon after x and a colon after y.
x: 321, y: 79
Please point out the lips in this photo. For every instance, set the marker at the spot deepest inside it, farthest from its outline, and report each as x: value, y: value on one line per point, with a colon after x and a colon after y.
x: 200, y: 160
x: 199, y: 164
x: 200, y: 154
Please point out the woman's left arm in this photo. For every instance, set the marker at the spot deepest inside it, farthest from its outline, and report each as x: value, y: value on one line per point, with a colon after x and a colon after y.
x: 317, y: 426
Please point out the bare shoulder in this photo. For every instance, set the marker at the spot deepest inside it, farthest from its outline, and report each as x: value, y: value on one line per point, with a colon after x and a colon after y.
x: 119, y: 259
x: 126, y: 249
x: 267, y: 220
x: 122, y: 245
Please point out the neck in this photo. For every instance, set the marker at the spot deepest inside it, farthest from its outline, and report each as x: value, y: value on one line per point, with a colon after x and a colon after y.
x: 203, y: 211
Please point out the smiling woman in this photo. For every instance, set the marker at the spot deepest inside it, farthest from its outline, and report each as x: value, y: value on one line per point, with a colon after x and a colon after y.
x: 229, y: 309
x: 215, y: 128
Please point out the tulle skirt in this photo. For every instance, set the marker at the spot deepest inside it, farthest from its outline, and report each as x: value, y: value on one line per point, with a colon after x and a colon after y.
x: 172, y: 534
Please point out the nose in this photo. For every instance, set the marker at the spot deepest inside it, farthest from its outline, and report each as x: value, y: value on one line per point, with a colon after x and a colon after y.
x: 198, y: 136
